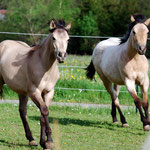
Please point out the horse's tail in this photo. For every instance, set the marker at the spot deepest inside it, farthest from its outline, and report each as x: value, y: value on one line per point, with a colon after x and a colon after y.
x: 90, y: 71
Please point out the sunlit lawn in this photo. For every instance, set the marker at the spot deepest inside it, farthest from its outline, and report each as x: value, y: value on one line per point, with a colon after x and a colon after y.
x: 77, y: 129
x: 75, y: 80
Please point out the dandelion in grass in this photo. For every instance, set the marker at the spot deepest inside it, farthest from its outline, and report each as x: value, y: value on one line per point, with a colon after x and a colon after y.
x: 72, y: 77
x: 78, y: 70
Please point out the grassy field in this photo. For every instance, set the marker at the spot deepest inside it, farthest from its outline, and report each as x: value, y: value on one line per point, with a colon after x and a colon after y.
x: 75, y: 78
x: 77, y: 129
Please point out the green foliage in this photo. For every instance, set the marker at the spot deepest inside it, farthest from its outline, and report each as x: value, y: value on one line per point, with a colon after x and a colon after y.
x: 88, y: 17
x: 32, y: 16
x: 88, y: 25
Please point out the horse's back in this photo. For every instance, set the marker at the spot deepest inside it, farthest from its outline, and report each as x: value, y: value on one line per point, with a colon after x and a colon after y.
x: 101, y: 46
x: 105, y: 59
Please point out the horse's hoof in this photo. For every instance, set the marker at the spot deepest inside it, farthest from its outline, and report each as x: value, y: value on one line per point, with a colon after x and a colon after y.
x: 49, y: 145
x: 33, y: 143
x: 115, y: 122
x: 125, y: 125
x: 147, y: 128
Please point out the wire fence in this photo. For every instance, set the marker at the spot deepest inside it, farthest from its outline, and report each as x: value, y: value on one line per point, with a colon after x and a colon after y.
x: 73, y: 36
x: 62, y: 66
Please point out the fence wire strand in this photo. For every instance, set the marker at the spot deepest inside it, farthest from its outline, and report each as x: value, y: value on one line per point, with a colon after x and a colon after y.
x: 62, y: 66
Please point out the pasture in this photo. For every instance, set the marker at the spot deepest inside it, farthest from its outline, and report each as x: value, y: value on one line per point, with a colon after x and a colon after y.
x: 75, y: 78
x: 77, y: 129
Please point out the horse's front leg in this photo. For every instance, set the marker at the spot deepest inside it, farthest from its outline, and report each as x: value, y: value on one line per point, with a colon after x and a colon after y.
x: 48, y: 99
x: 131, y: 88
x: 144, y: 90
x: 23, y: 114
x: 39, y: 101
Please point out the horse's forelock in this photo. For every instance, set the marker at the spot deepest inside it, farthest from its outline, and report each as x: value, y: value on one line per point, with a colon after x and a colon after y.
x: 60, y: 24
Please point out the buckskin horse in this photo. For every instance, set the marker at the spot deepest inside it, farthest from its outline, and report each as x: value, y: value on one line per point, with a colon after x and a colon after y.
x: 33, y: 72
x: 122, y: 62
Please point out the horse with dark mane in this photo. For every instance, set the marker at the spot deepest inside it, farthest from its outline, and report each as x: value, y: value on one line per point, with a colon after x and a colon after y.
x: 33, y: 72
x: 123, y: 62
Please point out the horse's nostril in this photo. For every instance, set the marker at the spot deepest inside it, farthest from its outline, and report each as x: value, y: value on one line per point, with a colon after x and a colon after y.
x: 65, y: 55
x: 59, y: 54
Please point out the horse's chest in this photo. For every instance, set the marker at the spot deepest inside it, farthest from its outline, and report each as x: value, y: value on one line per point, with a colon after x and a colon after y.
x: 49, y: 81
x: 137, y: 74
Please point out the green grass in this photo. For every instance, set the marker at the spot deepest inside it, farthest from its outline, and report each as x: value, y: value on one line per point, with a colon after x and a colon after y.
x: 78, y: 129
x: 75, y: 78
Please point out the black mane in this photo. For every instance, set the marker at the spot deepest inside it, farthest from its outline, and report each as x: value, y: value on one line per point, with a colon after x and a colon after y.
x: 138, y: 19
x: 60, y: 24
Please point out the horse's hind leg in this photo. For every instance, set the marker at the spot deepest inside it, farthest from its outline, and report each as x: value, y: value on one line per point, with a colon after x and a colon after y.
x: 115, y: 102
x: 113, y: 111
x: 23, y: 114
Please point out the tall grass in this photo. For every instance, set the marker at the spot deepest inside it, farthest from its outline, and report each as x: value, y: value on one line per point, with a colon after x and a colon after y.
x: 75, y: 78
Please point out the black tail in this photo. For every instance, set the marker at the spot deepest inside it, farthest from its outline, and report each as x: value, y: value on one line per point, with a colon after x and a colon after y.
x: 90, y: 71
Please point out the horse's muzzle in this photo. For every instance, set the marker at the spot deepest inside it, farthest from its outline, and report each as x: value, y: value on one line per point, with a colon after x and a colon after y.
x: 141, y: 50
x: 61, y: 57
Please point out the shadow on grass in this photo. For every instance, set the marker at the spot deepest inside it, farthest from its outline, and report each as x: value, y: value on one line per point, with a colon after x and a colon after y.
x: 68, y: 121
x: 15, y: 145
x: 95, y: 124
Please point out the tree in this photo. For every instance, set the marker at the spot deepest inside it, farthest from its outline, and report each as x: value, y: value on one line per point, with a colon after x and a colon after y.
x: 32, y: 16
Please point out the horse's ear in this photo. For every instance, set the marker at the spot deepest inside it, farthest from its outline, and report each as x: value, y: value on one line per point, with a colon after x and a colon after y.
x: 52, y: 24
x: 132, y: 19
x: 68, y: 26
x: 147, y: 21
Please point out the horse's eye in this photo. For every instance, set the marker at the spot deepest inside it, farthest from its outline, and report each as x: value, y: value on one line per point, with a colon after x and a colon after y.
x: 134, y: 32
x: 54, y: 39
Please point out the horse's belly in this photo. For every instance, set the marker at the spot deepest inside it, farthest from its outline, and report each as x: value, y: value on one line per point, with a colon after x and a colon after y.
x: 114, y: 77
x: 15, y: 78
x: 118, y: 80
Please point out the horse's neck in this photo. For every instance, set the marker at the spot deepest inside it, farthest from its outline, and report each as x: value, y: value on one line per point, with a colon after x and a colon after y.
x: 130, y: 51
x: 47, y: 53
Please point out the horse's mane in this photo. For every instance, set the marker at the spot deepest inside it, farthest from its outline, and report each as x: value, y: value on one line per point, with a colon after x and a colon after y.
x: 139, y: 18
x: 59, y: 24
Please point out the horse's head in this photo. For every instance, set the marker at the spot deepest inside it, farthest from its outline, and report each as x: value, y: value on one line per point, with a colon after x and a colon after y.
x: 60, y: 38
x: 139, y: 35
